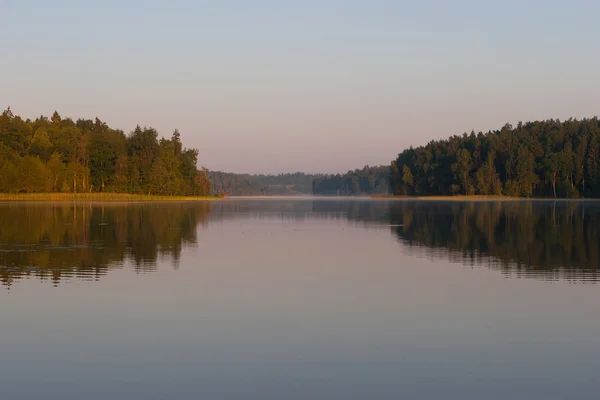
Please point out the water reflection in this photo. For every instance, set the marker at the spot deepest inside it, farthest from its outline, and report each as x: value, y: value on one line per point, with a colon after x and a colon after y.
x: 294, y: 209
x: 544, y: 240
x: 541, y: 239
x: 84, y: 241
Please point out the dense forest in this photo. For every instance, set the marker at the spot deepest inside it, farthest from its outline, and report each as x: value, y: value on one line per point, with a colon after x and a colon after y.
x: 543, y: 158
x: 260, y: 185
x: 61, y: 155
x: 369, y: 180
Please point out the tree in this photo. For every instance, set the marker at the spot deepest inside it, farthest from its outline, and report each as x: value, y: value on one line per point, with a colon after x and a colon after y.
x: 525, y: 176
x: 462, y: 168
x: 32, y: 175
x: 177, y: 145
x: 102, y: 161
x: 41, y: 145
x: 56, y: 120
x: 143, y: 146
x: 551, y: 169
x: 579, y: 161
x: 487, y: 179
x: 592, y: 163
x: 6, y: 154
x: 165, y: 175
x: 9, y: 178
x: 407, y: 176
x: 56, y: 170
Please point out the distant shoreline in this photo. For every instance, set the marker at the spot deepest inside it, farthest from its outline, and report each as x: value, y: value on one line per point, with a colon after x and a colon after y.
x: 99, y: 197
x: 469, y: 198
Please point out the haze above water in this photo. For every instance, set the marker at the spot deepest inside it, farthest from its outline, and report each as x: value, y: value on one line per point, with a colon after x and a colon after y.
x: 300, y: 299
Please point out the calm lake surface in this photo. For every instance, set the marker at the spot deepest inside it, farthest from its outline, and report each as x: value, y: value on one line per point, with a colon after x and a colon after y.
x: 300, y: 299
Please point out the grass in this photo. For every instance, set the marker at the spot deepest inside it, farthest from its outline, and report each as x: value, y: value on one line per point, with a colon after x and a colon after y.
x: 97, y: 197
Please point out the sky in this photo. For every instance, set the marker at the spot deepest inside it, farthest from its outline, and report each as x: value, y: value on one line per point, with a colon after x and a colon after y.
x: 270, y: 86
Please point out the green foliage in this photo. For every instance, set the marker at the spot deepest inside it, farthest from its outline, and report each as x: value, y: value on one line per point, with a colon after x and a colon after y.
x: 59, y: 155
x: 56, y: 171
x: 6, y: 154
x: 165, y: 175
x: 9, y: 178
x: 407, y: 176
x: 41, y: 145
x: 65, y: 188
x: 32, y: 175
x: 541, y: 158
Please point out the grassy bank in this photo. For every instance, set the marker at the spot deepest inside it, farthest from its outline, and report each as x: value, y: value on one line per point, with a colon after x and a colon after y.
x: 97, y: 197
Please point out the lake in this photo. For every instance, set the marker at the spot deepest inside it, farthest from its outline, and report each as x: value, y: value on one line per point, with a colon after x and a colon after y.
x: 300, y: 298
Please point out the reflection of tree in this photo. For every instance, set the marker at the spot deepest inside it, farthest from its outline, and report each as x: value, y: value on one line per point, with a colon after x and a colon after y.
x: 84, y: 241
x: 546, y: 239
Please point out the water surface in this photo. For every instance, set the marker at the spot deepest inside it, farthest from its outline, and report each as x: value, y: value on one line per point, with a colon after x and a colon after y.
x: 299, y: 299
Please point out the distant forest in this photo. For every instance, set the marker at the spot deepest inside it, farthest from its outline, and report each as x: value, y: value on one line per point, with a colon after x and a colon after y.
x: 369, y: 180
x: 543, y: 158
x: 260, y: 185
x: 62, y: 155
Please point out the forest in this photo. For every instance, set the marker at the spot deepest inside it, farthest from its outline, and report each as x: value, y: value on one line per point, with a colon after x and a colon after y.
x: 368, y: 180
x: 260, y: 185
x: 535, y: 159
x: 61, y: 155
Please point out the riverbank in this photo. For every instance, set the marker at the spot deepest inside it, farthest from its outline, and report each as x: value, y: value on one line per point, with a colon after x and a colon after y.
x: 98, y: 197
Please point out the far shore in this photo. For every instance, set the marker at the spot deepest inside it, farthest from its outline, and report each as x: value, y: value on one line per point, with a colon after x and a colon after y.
x: 98, y: 197
x: 467, y: 198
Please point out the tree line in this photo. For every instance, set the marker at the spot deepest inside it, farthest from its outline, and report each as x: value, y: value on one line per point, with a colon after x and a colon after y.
x: 542, y: 158
x: 368, y: 180
x: 61, y: 155
x: 260, y: 184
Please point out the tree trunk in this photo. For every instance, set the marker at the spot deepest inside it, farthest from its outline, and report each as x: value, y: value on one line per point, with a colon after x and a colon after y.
x: 554, y: 184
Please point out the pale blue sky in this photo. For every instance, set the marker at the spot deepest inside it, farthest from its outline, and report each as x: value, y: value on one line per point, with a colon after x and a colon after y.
x: 317, y: 86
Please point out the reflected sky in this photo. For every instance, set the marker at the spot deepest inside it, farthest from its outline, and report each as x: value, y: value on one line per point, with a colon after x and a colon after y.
x: 292, y: 299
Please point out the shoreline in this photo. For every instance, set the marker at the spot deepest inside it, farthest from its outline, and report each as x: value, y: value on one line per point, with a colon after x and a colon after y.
x: 473, y: 198
x: 99, y: 197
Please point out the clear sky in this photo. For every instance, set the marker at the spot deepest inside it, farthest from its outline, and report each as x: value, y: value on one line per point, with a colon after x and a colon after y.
x: 312, y: 85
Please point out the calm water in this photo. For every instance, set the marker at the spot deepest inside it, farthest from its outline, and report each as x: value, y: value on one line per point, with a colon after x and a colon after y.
x: 300, y: 299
